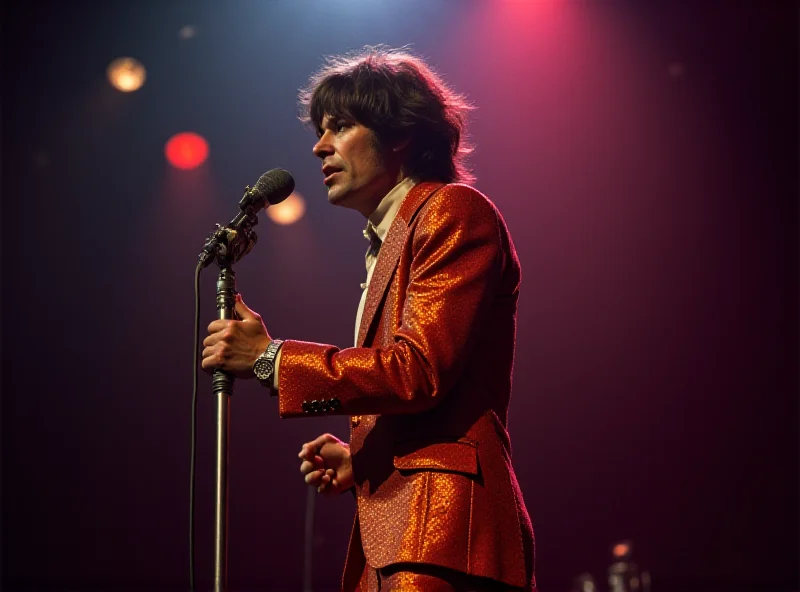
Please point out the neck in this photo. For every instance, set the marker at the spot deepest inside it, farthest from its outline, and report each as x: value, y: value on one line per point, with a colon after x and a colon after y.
x: 383, y: 192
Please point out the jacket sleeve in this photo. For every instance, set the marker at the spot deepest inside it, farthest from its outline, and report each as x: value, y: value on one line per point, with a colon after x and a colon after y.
x: 457, y: 259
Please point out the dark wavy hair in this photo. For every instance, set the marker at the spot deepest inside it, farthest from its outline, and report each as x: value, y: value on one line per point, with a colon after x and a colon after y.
x: 398, y: 97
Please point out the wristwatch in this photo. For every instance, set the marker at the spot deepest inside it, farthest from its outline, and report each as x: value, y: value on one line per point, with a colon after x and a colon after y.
x: 264, y: 366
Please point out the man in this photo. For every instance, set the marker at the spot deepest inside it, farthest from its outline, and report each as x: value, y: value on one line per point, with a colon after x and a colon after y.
x: 428, y: 383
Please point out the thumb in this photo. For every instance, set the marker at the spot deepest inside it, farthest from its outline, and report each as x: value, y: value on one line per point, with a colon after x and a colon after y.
x: 242, y: 310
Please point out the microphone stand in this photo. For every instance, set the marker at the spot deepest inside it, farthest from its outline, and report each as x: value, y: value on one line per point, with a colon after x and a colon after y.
x: 226, y: 245
x: 222, y: 387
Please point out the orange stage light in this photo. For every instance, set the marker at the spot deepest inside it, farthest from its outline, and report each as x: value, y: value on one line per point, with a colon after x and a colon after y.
x: 186, y: 150
x: 289, y: 211
x: 126, y: 74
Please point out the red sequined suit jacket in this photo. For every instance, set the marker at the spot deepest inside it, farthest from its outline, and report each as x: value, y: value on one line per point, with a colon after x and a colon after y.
x: 428, y: 391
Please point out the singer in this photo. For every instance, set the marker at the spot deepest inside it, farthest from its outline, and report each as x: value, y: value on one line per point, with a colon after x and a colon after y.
x: 428, y: 383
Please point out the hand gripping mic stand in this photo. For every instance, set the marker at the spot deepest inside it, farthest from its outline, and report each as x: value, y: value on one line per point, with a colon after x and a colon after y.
x: 225, y: 246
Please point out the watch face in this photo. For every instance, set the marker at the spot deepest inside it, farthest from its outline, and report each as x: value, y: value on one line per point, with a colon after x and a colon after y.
x: 263, y: 369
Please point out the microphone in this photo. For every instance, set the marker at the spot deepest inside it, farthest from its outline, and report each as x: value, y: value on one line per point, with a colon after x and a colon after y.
x: 271, y: 188
x: 232, y: 242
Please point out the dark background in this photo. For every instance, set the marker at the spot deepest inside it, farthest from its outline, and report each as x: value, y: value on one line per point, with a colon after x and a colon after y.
x: 645, y: 157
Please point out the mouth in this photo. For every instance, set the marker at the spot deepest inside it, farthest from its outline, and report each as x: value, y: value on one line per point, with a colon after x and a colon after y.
x: 330, y: 171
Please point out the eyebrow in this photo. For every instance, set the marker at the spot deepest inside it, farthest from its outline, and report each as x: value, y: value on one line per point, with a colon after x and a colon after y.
x: 328, y: 122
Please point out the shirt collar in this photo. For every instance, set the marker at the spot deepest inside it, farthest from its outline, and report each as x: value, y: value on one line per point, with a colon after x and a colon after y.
x: 381, y: 219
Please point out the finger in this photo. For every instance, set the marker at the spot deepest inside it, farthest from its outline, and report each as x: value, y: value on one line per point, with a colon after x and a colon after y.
x: 209, y: 362
x: 311, y: 448
x: 214, y: 338
x: 214, y: 357
x: 314, y: 478
x: 218, y: 325
x: 306, y: 451
x: 243, y: 311
x: 324, y: 485
x: 316, y: 464
x: 325, y: 482
x: 310, y: 454
x: 320, y: 441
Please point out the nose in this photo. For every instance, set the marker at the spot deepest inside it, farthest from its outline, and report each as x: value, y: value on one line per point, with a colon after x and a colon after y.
x: 323, y: 147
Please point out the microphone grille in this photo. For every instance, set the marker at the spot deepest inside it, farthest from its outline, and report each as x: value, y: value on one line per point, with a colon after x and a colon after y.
x: 274, y: 186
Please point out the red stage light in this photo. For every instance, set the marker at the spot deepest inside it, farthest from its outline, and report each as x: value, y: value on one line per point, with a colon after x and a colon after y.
x: 186, y: 150
x: 621, y: 550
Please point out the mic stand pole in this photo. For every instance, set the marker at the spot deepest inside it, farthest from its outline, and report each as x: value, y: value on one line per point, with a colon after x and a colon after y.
x: 222, y: 387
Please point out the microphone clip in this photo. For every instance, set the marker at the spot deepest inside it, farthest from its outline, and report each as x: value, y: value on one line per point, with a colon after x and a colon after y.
x: 227, y: 245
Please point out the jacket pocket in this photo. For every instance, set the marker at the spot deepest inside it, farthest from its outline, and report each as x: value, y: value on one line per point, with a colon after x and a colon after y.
x: 455, y: 456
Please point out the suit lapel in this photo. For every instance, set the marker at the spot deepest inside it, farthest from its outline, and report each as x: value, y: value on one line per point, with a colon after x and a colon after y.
x: 390, y: 252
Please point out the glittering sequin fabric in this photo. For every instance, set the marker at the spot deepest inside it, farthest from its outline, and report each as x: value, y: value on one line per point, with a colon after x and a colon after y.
x: 427, y: 390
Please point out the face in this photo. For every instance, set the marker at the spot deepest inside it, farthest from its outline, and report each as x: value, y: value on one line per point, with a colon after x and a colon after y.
x: 356, y: 174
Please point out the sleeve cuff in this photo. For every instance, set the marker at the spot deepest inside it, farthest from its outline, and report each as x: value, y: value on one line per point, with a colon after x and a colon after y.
x: 275, y: 382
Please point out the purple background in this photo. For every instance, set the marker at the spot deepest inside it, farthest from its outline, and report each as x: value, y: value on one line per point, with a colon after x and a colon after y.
x: 644, y: 155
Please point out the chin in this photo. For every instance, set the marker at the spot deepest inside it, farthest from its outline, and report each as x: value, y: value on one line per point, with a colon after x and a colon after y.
x: 336, y: 196
x: 339, y: 195
x: 346, y: 197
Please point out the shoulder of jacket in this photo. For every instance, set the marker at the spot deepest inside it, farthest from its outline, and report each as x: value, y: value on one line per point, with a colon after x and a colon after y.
x: 459, y: 199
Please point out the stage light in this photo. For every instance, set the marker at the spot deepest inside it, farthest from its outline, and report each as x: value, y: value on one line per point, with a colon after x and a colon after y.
x: 622, y: 550
x: 186, y: 150
x: 289, y: 211
x: 187, y: 32
x: 584, y: 583
x: 623, y: 574
x: 126, y: 74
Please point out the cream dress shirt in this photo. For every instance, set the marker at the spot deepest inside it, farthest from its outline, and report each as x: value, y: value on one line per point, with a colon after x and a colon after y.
x: 379, y: 222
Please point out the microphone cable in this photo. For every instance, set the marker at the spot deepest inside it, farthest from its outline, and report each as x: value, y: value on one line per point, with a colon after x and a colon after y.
x: 193, y: 450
